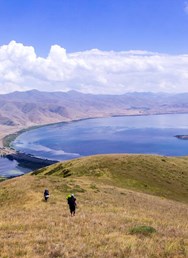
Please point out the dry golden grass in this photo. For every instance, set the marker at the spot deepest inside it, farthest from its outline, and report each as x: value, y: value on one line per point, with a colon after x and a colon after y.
x: 30, y: 227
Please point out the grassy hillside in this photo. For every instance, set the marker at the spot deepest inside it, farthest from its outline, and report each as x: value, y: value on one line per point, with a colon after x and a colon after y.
x: 158, y: 175
x: 110, y: 212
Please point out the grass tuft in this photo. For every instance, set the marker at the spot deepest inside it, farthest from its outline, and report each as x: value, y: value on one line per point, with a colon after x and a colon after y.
x: 143, y: 230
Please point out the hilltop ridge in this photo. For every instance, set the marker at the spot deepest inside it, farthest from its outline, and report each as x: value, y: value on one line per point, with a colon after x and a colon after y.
x: 157, y: 175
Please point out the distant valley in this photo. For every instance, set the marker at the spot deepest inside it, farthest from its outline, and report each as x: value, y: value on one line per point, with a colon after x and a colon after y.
x: 31, y: 108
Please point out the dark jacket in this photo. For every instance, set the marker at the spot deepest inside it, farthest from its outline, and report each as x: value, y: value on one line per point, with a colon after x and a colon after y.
x: 71, y: 201
x: 46, y: 192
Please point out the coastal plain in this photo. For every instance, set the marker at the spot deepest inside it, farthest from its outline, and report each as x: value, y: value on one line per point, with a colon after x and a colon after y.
x: 7, y: 130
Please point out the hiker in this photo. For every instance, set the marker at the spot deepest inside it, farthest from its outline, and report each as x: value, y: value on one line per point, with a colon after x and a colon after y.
x: 46, y: 195
x: 71, y: 200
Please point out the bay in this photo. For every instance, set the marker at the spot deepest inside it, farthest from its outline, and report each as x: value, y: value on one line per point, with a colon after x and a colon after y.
x: 131, y: 134
x: 153, y: 134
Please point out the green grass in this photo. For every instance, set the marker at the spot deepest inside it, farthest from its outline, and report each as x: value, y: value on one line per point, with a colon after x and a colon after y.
x: 143, y: 230
x: 163, y: 176
x: 2, y: 179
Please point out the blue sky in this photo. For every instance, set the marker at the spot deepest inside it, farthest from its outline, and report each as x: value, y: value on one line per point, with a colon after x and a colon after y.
x: 77, y: 25
x: 70, y: 29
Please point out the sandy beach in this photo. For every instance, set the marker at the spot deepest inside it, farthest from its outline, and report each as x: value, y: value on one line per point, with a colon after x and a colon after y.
x: 6, y: 130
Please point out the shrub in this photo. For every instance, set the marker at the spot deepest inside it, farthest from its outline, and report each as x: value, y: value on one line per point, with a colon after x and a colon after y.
x: 143, y: 230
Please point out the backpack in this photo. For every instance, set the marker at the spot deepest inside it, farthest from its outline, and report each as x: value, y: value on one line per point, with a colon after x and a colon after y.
x: 46, y: 192
x: 68, y: 198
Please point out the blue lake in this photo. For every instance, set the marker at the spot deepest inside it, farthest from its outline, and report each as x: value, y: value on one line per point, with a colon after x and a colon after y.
x: 11, y: 168
x: 131, y: 134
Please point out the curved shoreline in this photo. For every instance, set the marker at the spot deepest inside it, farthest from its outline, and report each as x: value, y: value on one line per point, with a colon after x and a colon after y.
x: 7, y: 138
x: 25, y: 160
x: 31, y: 161
x: 5, y: 141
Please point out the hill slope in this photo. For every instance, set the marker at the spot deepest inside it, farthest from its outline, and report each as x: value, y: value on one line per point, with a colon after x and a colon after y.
x: 163, y: 176
x: 107, y: 211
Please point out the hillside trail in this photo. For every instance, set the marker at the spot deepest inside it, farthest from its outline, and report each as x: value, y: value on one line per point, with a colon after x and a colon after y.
x: 31, y: 227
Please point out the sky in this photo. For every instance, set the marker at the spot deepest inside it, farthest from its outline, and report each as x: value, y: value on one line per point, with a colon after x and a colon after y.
x: 94, y: 46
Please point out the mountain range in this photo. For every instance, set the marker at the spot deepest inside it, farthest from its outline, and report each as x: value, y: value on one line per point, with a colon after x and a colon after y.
x: 35, y: 107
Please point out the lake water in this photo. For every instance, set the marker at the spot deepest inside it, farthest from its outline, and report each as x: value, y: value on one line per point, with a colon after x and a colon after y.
x: 11, y: 168
x: 132, y: 134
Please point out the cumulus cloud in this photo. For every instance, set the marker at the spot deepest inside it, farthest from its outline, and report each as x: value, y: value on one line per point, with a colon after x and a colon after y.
x: 92, y: 71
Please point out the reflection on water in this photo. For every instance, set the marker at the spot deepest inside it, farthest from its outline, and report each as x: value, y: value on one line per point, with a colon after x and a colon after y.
x: 131, y: 134
x: 10, y: 168
x: 135, y: 134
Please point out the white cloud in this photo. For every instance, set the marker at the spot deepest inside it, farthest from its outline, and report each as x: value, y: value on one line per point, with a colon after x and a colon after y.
x: 186, y: 7
x: 91, y: 71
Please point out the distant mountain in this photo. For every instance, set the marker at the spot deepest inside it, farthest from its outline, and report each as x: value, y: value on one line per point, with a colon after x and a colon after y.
x: 35, y: 107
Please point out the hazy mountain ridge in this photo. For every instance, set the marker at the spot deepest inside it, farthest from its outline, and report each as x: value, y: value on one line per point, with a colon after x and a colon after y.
x: 35, y: 107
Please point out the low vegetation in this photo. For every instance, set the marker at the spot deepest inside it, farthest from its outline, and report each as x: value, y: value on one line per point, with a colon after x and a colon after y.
x: 158, y: 175
x: 117, y: 215
x: 2, y: 178
x: 143, y: 230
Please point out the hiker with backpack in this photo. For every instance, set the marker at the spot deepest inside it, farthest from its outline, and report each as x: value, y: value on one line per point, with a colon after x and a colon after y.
x: 46, y: 195
x: 71, y: 200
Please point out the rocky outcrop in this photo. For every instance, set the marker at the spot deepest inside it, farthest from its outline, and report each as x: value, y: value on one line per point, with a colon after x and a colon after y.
x: 182, y: 137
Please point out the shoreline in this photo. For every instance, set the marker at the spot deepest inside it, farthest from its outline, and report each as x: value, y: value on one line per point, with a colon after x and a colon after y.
x: 9, y: 134
x: 26, y: 159
x: 7, y: 137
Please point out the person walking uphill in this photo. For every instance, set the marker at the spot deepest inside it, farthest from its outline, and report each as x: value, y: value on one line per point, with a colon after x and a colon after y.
x: 46, y: 195
x: 71, y: 200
